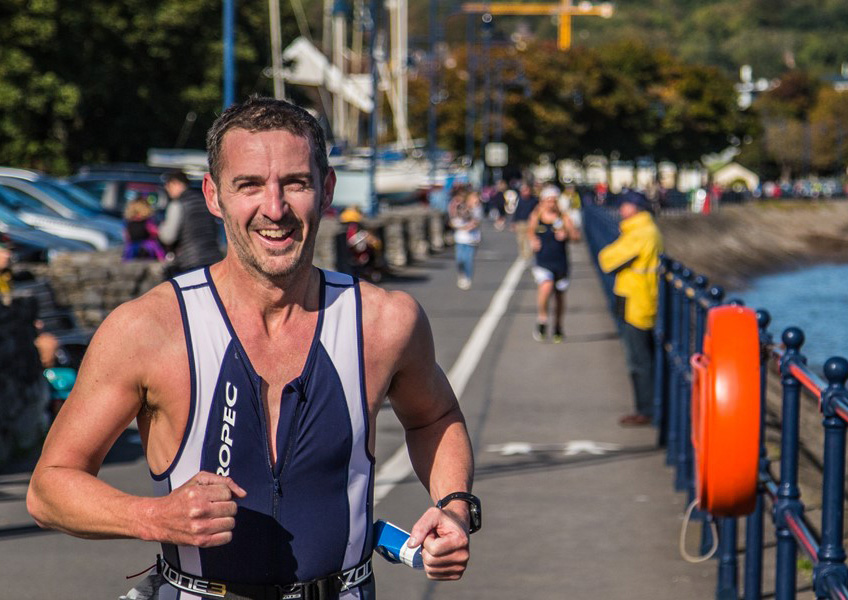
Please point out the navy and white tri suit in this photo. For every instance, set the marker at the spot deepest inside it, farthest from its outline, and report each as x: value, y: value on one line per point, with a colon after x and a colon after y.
x: 552, y: 262
x: 309, y: 514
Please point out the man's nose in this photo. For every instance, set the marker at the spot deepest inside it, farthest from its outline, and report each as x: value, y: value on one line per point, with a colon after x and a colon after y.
x: 274, y: 205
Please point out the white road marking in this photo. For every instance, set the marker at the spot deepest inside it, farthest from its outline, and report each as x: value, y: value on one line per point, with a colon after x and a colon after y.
x: 399, y: 467
x: 572, y: 448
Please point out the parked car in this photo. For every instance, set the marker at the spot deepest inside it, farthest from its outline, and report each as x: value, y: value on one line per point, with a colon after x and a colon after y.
x: 33, y: 213
x: 115, y: 185
x: 64, y: 199
x: 34, y: 245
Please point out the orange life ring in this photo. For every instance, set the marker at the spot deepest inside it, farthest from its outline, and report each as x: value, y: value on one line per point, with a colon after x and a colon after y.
x: 726, y: 412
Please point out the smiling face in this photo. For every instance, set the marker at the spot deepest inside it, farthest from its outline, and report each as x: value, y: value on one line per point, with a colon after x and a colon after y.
x: 270, y: 198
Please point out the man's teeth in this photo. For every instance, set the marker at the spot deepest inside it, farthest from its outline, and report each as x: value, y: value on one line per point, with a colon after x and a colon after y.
x: 273, y: 233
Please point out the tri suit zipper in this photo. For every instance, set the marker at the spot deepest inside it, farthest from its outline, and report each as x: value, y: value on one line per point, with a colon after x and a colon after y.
x: 290, y: 442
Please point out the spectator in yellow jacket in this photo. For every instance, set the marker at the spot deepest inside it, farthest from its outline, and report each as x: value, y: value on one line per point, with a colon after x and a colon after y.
x: 635, y: 258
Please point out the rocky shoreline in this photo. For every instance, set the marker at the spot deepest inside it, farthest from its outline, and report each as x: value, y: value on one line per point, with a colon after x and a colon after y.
x: 740, y: 242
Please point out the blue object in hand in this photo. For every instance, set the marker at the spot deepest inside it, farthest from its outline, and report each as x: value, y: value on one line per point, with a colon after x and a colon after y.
x: 390, y: 543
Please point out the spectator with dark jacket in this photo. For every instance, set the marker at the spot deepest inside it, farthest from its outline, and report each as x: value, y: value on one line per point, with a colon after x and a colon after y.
x: 189, y: 229
x: 523, y: 209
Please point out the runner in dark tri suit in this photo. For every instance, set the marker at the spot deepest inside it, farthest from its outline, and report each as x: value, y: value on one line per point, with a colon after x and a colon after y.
x: 550, y: 230
x: 256, y: 384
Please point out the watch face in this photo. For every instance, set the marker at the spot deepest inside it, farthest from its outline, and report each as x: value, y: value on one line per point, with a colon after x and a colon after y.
x: 476, y: 518
x: 474, y: 506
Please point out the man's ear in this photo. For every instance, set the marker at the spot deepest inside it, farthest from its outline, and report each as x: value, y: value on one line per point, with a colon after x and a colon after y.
x: 329, y: 189
x: 210, y: 192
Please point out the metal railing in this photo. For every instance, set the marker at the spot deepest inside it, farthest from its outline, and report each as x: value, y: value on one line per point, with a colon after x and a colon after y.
x: 684, y: 299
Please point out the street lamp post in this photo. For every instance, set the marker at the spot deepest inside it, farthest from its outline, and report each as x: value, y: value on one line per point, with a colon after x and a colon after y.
x: 276, y: 49
x: 487, y: 85
x: 434, y: 90
x: 229, y: 53
x: 374, y: 207
x: 470, y: 103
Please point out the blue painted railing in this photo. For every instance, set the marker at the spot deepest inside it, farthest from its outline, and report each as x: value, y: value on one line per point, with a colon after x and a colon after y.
x: 684, y: 299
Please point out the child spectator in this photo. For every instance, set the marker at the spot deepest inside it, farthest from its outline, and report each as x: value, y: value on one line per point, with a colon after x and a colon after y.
x: 140, y: 233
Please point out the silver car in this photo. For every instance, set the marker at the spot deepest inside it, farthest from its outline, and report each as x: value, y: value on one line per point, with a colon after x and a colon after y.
x: 36, y: 215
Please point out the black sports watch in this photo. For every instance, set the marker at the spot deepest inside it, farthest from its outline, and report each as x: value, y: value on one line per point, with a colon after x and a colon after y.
x: 473, y: 504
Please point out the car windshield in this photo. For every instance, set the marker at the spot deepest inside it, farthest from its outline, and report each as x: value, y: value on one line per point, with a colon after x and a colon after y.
x: 7, y: 215
x: 62, y: 197
x: 82, y: 197
x: 18, y: 200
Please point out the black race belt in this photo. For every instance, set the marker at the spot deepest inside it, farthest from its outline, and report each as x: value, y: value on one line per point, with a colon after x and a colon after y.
x: 317, y: 589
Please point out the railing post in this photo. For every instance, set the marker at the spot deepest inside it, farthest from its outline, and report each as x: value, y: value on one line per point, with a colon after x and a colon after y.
x: 660, y: 371
x: 684, y: 427
x: 668, y: 354
x: 788, y: 492
x: 697, y: 303
x: 754, y: 521
x: 716, y: 295
x: 674, y: 372
x: 831, y: 564
x: 702, y: 298
x: 728, y: 570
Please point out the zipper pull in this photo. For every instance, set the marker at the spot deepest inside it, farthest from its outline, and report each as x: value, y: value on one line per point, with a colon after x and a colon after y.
x: 278, y: 488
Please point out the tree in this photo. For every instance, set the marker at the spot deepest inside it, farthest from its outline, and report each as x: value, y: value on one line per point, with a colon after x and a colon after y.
x: 785, y: 112
x: 105, y: 80
x: 37, y: 103
x: 829, y: 124
x: 699, y: 113
x: 624, y: 99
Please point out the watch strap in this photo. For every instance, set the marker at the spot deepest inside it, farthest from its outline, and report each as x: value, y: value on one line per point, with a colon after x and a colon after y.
x: 474, y: 506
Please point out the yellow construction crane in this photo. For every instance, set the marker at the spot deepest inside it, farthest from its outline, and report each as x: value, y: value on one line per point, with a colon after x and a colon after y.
x: 565, y: 9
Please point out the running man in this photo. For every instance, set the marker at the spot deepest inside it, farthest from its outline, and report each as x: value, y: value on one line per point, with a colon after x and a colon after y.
x: 256, y: 384
x: 550, y: 230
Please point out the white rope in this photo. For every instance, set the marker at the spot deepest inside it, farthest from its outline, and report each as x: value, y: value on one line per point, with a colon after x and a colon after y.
x: 686, y: 518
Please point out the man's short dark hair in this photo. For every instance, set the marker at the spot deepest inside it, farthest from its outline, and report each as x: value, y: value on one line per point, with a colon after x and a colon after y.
x: 175, y: 175
x: 266, y: 114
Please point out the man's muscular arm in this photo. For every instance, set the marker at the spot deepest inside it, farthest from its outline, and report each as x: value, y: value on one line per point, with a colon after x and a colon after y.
x: 436, y: 435
x: 65, y: 493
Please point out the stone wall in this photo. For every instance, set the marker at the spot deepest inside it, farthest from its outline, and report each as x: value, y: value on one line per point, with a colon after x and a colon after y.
x: 95, y: 283
x: 739, y: 242
x: 24, y: 392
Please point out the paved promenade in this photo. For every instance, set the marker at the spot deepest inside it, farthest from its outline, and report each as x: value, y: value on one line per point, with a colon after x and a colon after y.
x: 574, y: 506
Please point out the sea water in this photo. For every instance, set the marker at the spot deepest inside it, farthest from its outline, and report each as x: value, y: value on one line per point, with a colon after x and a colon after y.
x: 814, y: 299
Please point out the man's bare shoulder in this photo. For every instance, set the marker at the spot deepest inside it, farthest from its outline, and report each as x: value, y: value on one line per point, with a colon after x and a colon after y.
x: 392, y: 316
x: 149, y: 320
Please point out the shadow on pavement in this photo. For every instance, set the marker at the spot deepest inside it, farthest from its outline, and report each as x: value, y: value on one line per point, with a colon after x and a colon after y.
x: 554, y: 461
x: 23, y: 530
x: 127, y: 448
x: 549, y: 461
x: 401, y: 278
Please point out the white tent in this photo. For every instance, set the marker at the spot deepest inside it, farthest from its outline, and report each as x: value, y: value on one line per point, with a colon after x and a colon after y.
x: 733, y: 173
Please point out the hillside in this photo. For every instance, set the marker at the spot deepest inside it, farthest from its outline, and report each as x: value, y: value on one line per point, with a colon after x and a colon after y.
x: 770, y: 35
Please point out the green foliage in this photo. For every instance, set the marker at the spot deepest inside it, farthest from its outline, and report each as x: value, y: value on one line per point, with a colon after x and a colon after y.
x: 37, y: 103
x: 829, y: 131
x: 770, y: 35
x: 105, y: 80
x: 625, y: 100
x: 108, y: 79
